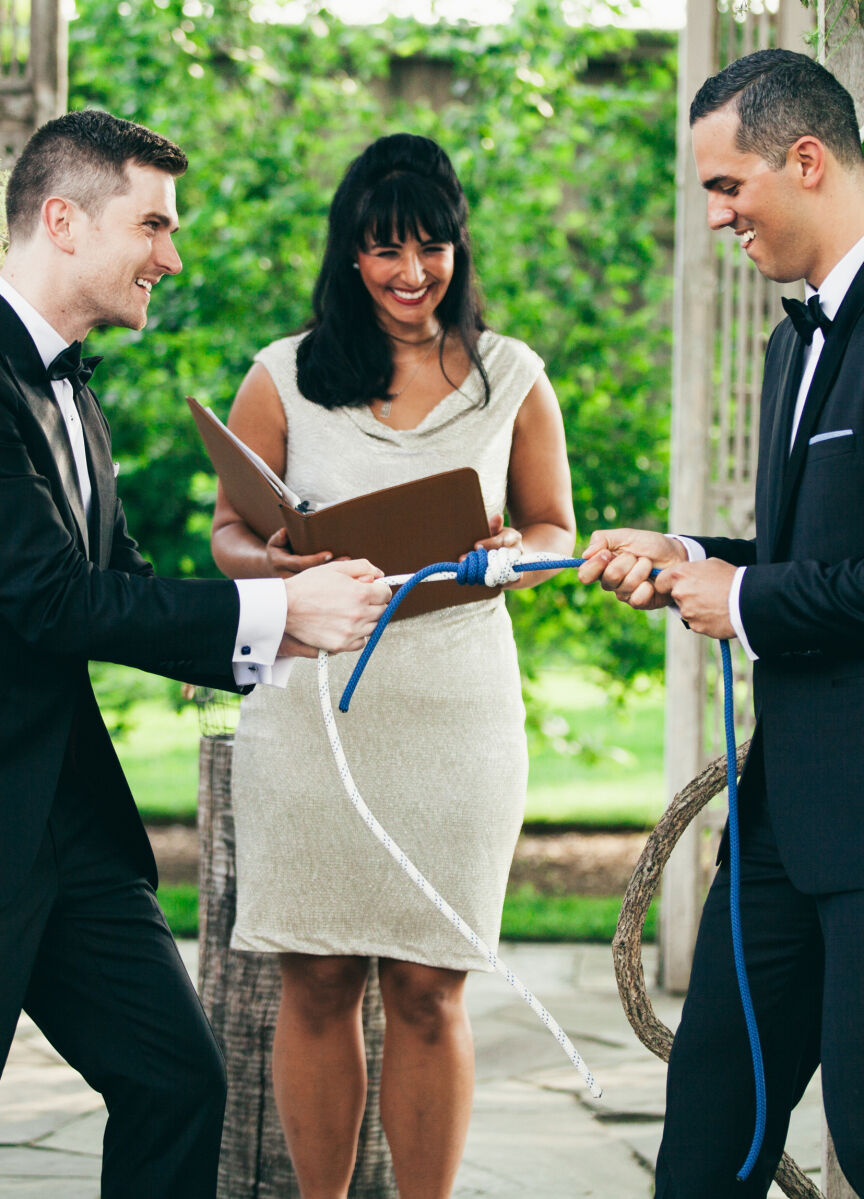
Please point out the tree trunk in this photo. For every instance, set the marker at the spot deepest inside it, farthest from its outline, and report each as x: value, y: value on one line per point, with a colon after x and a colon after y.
x: 240, y: 993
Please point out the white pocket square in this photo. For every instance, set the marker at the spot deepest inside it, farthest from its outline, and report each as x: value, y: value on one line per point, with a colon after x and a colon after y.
x: 830, y: 436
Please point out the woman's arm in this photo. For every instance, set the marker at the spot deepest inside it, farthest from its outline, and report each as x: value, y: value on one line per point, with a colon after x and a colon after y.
x: 539, y: 497
x: 257, y: 417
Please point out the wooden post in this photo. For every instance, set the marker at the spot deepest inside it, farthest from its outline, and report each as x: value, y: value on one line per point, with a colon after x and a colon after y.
x: 723, y: 311
x: 240, y: 993
x: 33, y: 77
x: 48, y: 60
x: 691, y: 410
x: 834, y: 1184
x: 841, y: 49
x: 841, y: 44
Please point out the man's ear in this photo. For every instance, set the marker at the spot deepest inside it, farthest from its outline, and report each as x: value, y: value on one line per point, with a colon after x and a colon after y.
x: 60, y: 220
x: 808, y: 158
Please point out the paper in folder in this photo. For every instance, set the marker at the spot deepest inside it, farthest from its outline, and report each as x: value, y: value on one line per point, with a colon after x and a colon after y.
x: 399, y: 529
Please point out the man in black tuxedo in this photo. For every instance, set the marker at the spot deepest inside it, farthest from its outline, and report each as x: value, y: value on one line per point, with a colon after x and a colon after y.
x: 83, y: 944
x: 778, y: 151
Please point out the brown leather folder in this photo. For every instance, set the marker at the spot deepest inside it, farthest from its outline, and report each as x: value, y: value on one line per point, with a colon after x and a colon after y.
x: 399, y: 529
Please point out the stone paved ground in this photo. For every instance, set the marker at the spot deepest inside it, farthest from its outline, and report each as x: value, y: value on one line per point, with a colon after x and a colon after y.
x: 535, y: 1132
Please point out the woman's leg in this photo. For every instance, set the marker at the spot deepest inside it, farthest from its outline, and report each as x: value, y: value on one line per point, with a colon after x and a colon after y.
x: 319, y: 1068
x: 427, y: 1077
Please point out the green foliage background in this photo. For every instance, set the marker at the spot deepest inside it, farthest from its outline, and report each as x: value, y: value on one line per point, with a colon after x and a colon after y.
x: 568, y: 168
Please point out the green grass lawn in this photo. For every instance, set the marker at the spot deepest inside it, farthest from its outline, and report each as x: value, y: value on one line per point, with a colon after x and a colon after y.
x: 180, y: 905
x: 528, y: 915
x: 160, y: 758
x: 615, y: 780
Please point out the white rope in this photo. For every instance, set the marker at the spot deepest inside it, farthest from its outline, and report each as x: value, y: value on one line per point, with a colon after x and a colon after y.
x: 425, y: 886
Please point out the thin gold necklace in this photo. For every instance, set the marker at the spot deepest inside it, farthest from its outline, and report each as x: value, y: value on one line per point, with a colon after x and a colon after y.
x: 388, y: 403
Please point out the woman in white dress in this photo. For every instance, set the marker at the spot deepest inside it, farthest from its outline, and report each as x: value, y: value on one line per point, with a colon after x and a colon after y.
x: 397, y: 378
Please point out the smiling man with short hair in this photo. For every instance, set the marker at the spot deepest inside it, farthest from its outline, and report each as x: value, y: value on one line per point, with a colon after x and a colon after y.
x: 84, y: 946
x: 778, y: 151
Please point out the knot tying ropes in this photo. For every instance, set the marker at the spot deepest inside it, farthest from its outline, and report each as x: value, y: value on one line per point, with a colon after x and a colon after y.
x: 489, y: 568
x: 480, y: 568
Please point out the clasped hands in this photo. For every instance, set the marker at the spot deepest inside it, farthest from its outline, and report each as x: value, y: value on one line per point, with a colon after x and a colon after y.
x: 332, y: 606
x: 621, y: 560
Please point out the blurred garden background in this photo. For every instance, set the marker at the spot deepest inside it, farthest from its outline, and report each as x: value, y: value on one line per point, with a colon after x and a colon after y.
x: 563, y: 133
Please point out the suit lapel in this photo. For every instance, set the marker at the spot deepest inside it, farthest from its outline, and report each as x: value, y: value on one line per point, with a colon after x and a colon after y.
x: 29, y: 372
x: 790, y: 352
x: 101, y: 474
x: 826, y: 372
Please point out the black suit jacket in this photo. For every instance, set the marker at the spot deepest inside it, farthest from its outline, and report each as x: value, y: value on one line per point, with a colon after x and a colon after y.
x: 802, y: 605
x: 71, y: 592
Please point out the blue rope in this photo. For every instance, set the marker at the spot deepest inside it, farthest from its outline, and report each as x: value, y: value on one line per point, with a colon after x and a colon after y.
x: 384, y: 620
x: 735, y: 914
x: 472, y: 571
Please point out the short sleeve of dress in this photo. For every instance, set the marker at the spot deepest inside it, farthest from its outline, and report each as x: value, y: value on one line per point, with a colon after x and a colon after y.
x: 512, y: 368
x: 280, y: 359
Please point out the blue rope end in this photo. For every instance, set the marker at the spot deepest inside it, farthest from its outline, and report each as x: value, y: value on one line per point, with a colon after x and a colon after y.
x: 384, y: 620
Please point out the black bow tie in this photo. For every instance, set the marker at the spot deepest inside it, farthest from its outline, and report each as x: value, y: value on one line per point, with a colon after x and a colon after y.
x: 806, y: 318
x: 70, y: 365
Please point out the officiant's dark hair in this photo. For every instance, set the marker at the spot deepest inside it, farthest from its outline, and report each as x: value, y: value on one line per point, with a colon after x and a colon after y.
x: 82, y: 157
x: 400, y: 185
x: 780, y: 96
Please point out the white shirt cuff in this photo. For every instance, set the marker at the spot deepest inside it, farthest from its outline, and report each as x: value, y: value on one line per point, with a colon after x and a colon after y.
x: 735, y: 613
x: 695, y: 552
x: 263, y: 609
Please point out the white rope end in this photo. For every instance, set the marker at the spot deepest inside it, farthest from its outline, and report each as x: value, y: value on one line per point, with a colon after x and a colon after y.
x: 499, y: 566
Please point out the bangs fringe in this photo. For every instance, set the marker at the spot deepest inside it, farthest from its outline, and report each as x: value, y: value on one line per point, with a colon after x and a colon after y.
x: 406, y: 205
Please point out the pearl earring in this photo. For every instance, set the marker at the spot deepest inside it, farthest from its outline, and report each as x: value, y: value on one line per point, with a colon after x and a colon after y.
x: 356, y: 266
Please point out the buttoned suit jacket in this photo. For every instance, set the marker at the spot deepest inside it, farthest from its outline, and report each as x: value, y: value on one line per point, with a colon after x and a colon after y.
x: 802, y: 605
x: 72, y: 591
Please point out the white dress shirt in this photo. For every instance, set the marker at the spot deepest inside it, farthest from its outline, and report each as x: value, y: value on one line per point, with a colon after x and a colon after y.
x: 831, y: 295
x: 263, y: 602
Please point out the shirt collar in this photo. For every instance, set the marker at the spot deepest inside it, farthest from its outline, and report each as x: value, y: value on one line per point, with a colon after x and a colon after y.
x: 838, y: 280
x: 46, y: 339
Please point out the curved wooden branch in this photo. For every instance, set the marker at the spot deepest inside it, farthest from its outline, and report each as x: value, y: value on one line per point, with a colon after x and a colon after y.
x: 627, y: 943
